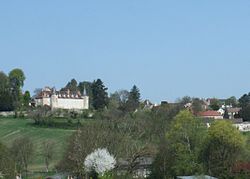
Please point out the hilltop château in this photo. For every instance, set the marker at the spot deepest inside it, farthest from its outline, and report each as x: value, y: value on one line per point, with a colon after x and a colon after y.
x: 62, y: 99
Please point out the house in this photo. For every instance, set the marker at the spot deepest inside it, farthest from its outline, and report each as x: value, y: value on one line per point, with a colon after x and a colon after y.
x: 232, y: 112
x: 62, y: 99
x: 210, y: 114
x: 141, y: 167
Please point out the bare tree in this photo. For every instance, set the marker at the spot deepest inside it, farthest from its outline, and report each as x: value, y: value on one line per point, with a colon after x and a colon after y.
x: 22, y: 150
x: 48, y: 152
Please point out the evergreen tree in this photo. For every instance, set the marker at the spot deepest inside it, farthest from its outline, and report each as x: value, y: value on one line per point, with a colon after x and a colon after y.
x: 72, y: 86
x: 133, y: 101
x: 100, y: 95
x: 26, y: 98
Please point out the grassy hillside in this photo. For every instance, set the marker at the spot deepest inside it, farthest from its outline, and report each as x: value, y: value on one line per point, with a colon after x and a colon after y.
x: 11, y: 128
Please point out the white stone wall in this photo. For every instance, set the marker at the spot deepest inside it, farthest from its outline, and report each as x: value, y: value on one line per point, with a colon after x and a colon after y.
x: 214, y: 117
x: 70, y: 103
x: 64, y: 103
x: 46, y: 101
x: 42, y: 101
x: 86, y: 102
x: 243, y: 127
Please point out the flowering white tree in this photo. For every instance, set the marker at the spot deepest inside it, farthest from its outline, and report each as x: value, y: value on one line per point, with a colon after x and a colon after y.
x: 100, y: 161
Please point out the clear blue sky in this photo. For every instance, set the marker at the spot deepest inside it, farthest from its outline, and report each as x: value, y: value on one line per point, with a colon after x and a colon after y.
x: 167, y: 48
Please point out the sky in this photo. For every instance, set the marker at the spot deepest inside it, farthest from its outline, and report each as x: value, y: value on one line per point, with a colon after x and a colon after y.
x: 169, y: 49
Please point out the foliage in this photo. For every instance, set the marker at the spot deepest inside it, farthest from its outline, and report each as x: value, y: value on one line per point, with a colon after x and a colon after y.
x: 244, y: 100
x: 245, y: 112
x: 244, y: 103
x: 12, y: 129
x: 181, y: 147
x: 197, y: 105
x: 232, y: 101
x: 48, y: 152
x: 214, y: 104
x: 72, y: 86
x: 127, y: 137
x: 7, y: 167
x: 41, y: 115
x: 26, y: 98
x: 100, y: 95
x: 133, y: 101
x: 6, y: 102
x: 221, y: 149
x: 22, y: 150
x: 16, y: 81
x: 100, y: 161
x: 185, y: 138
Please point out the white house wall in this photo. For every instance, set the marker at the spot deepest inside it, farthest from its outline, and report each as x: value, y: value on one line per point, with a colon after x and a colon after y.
x: 46, y: 101
x: 70, y: 104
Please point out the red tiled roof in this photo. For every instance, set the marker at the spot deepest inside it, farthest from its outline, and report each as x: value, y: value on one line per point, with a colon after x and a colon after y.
x: 209, y: 113
x: 241, y: 167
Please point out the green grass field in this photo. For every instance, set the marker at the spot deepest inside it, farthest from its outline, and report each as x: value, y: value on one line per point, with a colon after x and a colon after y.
x: 11, y: 129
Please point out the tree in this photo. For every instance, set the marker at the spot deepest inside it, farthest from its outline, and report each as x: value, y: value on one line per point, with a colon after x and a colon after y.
x: 244, y: 103
x: 99, y: 161
x: 214, y: 104
x: 181, y: 147
x: 185, y: 138
x: 7, y: 167
x: 244, y: 100
x: 197, y: 105
x: 48, y: 152
x: 6, y: 103
x: 232, y: 101
x: 183, y: 101
x: 85, y: 140
x: 22, y: 152
x: 118, y: 99
x: 16, y: 80
x: 100, y: 95
x: 26, y: 98
x: 133, y: 101
x: 221, y: 149
x: 245, y: 112
x: 72, y: 86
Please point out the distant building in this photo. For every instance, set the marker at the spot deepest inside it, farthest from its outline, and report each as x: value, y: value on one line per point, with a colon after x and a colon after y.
x: 62, y: 99
x: 211, y: 114
x: 232, y: 112
x: 141, y: 167
x: 243, y: 127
